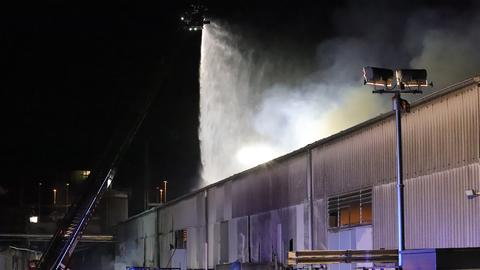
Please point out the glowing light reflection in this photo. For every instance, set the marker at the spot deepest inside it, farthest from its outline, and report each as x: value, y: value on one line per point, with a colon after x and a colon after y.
x: 253, y: 155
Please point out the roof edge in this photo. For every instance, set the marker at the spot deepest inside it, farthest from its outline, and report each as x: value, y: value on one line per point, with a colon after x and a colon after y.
x: 427, y: 98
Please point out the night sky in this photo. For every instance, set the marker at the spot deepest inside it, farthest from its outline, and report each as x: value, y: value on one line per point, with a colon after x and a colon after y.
x: 72, y: 74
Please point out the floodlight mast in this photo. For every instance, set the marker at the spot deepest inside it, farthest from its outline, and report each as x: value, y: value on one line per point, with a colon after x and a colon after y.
x: 407, y: 81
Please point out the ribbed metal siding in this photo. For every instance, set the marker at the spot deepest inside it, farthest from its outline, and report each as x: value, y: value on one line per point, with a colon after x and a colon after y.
x: 183, y: 214
x: 319, y: 224
x: 265, y: 230
x: 438, y: 214
x: 438, y: 135
x: 442, y: 134
x: 220, y: 202
x: 384, y: 217
x: 361, y: 159
x: 276, y: 185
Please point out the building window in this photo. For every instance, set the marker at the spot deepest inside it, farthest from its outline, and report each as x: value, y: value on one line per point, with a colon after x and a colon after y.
x: 181, y: 239
x: 350, y: 209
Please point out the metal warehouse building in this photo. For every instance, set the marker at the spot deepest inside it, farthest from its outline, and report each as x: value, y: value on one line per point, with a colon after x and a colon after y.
x: 337, y: 193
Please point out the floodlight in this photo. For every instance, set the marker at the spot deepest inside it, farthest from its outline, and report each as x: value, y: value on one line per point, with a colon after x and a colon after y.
x: 378, y: 76
x: 411, y: 78
x: 471, y: 193
x: 33, y: 219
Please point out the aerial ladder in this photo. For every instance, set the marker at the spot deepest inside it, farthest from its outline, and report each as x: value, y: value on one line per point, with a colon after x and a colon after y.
x: 69, y: 231
x: 62, y: 245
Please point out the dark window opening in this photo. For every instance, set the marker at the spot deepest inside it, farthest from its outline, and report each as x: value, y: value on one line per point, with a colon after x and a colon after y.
x: 350, y: 209
x: 181, y: 239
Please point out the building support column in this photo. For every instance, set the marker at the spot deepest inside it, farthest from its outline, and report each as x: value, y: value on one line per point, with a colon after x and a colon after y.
x: 310, y: 198
x: 206, y: 229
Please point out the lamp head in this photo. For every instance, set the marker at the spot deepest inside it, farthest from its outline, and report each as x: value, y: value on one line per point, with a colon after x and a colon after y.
x: 407, y: 78
x: 378, y: 76
x: 471, y: 193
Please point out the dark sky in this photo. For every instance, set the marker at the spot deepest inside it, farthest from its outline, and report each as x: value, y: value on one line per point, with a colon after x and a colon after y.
x: 72, y: 74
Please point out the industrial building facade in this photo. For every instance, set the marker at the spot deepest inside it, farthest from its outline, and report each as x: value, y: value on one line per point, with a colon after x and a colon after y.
x: 337, y: 193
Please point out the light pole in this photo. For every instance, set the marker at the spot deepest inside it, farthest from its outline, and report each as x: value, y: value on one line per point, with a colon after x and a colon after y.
x: 54, y: 197
x: 404, y: 81
x: 39, y: 198
x: 67, y: 185
x: 165, y: 191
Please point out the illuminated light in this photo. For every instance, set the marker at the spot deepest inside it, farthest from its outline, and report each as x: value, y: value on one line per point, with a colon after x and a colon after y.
x: 85, y: 173
x: 411, y: 78
x: 33, y: 219
x: 378, y: 76
x: 165, y: 191
x: 255, y: 154
x: 190, y: 29
x: 54, y: 196
x: 110, y: 179
x: 182, y: 18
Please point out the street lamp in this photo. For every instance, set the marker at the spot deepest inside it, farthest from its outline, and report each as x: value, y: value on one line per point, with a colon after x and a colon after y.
x: 160, y: 195
x: 67, y: 185
x: 54, y: 196
x: 39, y: 199
x: 165, y: 191
x: 404, y: 81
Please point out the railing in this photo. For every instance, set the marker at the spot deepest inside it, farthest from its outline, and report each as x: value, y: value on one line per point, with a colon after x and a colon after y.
x: 150, y: 268
x: 321, y: 257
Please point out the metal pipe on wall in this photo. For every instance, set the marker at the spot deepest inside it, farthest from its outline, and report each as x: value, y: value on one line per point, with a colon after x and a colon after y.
x: 157, y: 235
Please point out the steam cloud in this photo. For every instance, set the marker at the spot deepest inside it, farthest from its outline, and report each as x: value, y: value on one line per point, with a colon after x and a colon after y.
x: 258, y: 101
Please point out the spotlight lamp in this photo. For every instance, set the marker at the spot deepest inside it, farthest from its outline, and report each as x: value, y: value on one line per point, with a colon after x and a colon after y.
x: 407, y: 80
x: 378, y: 76
x: 471, y: 193
x: 33, y: 219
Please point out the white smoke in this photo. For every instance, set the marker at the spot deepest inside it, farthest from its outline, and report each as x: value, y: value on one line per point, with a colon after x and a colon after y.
x: 259, y: 102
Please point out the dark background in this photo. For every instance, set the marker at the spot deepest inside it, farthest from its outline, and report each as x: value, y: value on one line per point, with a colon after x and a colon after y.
x: 72, y: 74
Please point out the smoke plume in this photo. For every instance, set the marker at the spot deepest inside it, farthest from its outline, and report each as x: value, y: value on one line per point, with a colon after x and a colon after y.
x: 260, y: 99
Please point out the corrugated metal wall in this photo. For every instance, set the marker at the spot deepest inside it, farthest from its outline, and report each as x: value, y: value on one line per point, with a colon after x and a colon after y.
x: 442, y: 134
x: 319, y: 224
x: 361, y: 159
x: 438, y: 214
x: 384, y: 216
x: 441, y: 154
x: 438, y: 135
x: 274, y: 185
